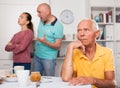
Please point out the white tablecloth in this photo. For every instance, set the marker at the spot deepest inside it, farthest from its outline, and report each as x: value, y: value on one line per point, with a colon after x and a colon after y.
x: 46, y: 82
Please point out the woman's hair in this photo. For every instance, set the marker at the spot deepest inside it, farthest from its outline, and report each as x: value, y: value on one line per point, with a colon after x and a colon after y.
x: 29, y: 18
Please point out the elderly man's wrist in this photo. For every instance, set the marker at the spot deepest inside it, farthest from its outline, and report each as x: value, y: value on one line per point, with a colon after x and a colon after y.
x: 94, y: 81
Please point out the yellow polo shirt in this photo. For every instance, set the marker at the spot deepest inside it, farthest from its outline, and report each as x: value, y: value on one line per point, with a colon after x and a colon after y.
x: 102, y: 61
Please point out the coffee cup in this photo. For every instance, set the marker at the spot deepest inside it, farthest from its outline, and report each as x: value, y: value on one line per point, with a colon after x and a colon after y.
x: 23, y: 78
x: 16, y: 68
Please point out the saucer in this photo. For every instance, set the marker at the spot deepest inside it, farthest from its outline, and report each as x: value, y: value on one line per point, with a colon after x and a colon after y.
x: 11, y: 79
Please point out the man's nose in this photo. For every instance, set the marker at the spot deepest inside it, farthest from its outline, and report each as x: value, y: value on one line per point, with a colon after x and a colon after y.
x: 82, y: 33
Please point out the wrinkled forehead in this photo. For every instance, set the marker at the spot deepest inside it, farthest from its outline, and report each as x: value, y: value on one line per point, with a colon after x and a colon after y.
x: 85, y: 24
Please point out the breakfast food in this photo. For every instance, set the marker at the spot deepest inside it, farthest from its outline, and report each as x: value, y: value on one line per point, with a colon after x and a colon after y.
x: 1, y: 80
x: 11, y: 75
x: 11, y: 78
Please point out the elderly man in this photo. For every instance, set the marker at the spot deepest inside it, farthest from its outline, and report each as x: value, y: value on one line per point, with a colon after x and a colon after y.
x: 86, y: 62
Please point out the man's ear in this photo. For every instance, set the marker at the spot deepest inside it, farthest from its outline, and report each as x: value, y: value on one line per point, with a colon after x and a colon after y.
x: 97, y: 34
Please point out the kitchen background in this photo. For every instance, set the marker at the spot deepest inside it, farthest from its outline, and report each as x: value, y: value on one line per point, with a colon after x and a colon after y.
x: 76, y: 10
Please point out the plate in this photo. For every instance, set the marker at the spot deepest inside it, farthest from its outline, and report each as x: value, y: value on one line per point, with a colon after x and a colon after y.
x: 11, y: 79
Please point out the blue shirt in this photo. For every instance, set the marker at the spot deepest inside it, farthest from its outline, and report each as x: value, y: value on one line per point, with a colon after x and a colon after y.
x: 52, y: 32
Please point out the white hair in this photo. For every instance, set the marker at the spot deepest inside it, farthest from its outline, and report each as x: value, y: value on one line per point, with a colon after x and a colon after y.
x: 95, y: 24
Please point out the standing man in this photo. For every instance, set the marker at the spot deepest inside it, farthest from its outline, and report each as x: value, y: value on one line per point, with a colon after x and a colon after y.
x: 48, y: 41
x: 86, y: 62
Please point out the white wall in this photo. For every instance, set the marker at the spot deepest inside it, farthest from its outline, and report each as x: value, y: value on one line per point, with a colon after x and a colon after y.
x: 9, y: 13
x: 78, y: 7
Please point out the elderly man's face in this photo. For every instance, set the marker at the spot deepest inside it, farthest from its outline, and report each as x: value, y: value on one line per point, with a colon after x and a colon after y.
x: 86, y: 33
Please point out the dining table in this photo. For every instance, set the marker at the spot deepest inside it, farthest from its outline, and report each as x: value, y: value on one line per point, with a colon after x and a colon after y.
x: 45, y: 82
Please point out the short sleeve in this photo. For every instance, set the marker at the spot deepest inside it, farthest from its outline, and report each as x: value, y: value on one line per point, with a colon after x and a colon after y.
x: 58, y: 30
x: 109, y: 65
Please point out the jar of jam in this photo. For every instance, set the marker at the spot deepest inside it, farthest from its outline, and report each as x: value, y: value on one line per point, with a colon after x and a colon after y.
x: 35, y: 76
